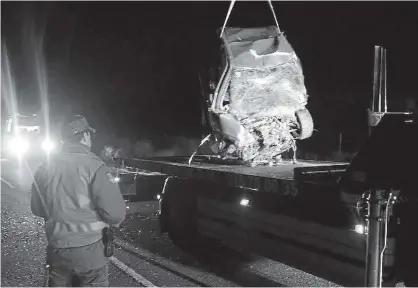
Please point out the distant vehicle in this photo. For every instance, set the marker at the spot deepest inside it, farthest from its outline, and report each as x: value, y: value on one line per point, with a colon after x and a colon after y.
x: 25, y: 136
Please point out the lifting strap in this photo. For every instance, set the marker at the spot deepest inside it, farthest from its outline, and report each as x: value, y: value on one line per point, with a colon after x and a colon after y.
x: 229, y: 13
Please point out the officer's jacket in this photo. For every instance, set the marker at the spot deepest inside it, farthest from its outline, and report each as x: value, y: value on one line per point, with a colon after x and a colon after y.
x: 76, y: 195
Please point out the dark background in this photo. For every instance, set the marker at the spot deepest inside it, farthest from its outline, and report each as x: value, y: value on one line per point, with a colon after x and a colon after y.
x: 132, y: 67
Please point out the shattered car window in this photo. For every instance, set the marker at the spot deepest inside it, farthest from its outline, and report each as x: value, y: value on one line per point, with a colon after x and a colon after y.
x: 277, y: 91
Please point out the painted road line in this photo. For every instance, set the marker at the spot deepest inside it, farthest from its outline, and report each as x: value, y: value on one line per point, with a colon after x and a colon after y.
x: 138, y: 278
x: 7, y: 183
x: 191, y: 274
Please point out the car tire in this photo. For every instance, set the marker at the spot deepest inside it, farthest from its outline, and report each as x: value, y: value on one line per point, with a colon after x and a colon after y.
x: 305, y: 123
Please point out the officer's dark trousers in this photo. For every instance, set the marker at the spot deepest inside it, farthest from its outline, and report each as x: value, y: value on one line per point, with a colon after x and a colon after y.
x: 84, y: 266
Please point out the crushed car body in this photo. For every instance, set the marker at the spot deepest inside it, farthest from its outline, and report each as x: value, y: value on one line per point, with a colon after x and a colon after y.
x: 257, y: 110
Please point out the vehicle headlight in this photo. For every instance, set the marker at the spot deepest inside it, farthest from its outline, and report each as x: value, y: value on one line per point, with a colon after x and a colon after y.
x: 48, y: 145
x: 244, y: 202
x: 19, y: 146
x: 360, y: 229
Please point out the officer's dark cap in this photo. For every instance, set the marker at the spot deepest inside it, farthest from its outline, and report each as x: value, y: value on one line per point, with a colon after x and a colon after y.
x: 77, y: 124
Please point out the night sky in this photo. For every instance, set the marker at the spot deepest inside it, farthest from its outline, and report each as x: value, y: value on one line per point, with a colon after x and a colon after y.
x: 132, y: 67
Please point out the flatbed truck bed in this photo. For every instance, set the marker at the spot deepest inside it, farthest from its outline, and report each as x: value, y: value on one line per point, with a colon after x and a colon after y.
x: 265, y: 178
x: 283, y: 213
x: 284, y: 170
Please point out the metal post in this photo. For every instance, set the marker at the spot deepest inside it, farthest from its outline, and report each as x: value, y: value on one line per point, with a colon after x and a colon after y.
x: 376, y: 79
x: 384, y: 88
x: 374, y: 236
x: 379, y: 102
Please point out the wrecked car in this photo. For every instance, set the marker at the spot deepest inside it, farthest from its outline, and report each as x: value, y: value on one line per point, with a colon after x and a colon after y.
x: 256, y: 104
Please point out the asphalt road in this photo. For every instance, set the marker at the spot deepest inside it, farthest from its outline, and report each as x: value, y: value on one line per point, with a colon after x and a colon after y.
x: 143, y: 256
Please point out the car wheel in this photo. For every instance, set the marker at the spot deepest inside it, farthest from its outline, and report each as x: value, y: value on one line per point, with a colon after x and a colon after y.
x: 305, y: 123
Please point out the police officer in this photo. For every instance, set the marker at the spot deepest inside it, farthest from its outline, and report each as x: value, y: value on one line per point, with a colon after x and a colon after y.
x: 76, y: 195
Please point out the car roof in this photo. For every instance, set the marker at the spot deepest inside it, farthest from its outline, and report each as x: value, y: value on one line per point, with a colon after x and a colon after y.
x: 259, y: 47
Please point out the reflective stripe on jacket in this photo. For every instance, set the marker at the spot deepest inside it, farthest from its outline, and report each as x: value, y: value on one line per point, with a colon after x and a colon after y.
x: 76, y: 197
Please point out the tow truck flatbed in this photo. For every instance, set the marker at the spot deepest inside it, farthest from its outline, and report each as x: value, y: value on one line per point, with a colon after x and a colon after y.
x: 296, y: 201
x: 235, y: 174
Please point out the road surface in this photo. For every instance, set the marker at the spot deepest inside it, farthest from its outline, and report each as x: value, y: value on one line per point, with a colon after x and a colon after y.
x: 143, y: 257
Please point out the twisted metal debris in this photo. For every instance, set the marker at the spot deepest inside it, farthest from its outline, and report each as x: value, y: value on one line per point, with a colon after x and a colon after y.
x: 266, y: 140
